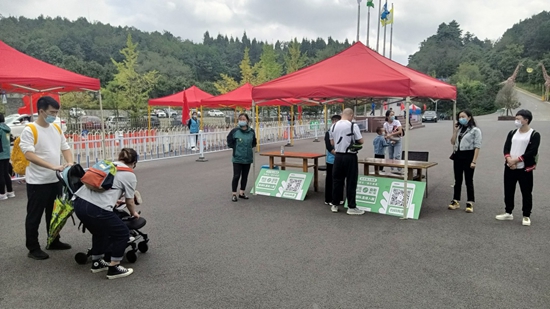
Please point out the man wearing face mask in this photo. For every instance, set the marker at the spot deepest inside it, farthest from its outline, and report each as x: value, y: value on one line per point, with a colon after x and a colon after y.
x: 520, y: 152
x: 43, y: 187
x: 194, y: 126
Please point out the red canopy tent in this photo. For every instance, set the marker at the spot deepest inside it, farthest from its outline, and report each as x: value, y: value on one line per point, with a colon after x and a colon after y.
x: 242, y: 97
x: 23, y: 74
x: 186, y: 99
x: 355, y: 72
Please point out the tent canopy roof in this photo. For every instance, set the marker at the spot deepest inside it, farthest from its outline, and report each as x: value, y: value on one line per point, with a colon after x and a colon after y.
x: 355, y: 72
x: 193, y: 94
x: 22, y: 73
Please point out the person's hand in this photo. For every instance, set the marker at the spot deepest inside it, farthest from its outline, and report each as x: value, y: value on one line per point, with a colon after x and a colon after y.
x: 59, y: 168
x: 512, y: 166
x: 456, y: 128
x: 509, y: 161
x: 472, y: 165
x: 68, y: 165
x: 333, y: 151
x: 135, y: 214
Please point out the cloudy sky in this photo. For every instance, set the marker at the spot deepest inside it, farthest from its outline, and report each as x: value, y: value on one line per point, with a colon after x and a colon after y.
x: 271, y: 20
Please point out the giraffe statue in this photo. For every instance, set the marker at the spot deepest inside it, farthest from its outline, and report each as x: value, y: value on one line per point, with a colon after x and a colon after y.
x: 512, y: 79
x: 546, y: 81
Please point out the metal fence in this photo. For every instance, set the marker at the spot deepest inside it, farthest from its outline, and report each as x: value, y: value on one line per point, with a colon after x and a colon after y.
x: 176, y: 142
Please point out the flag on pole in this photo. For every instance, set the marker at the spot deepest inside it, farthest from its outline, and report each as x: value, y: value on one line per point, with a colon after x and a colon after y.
x: 370, y: 3
x: 384, y: 14
x: 389, y: 18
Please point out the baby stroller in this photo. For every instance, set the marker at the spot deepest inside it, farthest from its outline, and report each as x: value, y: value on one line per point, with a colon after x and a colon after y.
x: 70, y: 178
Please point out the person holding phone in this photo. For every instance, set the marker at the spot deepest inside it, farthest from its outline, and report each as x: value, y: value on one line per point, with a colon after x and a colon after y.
x: 466, y: 140
x: 394, y: 132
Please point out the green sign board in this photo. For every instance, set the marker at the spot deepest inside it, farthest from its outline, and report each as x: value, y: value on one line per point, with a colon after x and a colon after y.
x: 314, y: 125
x: 284, y: 184
x: 386, y: 196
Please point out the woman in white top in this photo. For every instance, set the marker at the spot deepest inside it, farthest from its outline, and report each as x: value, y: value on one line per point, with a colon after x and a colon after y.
x: 95, y: 210
x: 520, y: 152
x: 394, y: 132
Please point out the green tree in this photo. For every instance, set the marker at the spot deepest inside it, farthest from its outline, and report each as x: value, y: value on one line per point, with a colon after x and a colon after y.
x: 507, y: 98
x: 294, y: 59
x: 226, y: 84
x: 268, y: 68
x: 248, y: 73
x: 129, y: 90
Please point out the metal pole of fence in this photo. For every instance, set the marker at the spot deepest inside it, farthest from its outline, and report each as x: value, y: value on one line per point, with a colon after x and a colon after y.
x: 201, y: 148
x: 316, y: 140
x: 102, y: 124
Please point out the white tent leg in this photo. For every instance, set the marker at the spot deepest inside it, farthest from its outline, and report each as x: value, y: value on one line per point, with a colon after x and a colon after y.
x: 254, y: 148
x: 406, y: 169
x: 102, y: 126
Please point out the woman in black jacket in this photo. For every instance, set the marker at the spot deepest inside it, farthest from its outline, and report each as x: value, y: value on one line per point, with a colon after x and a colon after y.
x: 520, y: 152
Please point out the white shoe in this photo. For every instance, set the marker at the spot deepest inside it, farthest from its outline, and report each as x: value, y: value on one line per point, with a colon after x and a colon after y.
x: 333, y: 208
x: 505, y: 217
x: 355, y: 211
x: 526, y: 221
x: 10, y: 194
x: 3, y: 197
x: 132, y: 238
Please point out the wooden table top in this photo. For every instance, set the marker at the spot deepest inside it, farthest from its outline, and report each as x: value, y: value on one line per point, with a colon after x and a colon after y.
x: 291, y: 154
x: 396, y: 163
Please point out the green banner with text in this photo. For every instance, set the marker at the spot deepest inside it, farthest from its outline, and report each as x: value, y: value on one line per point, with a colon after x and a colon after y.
x: 283, y: 184
x: 386, y: 196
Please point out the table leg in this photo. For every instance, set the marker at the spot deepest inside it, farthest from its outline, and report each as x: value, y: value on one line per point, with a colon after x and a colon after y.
x: 283, y: 160
x: 376, y: 170
x: 271, y: 162
x: 315, y: 174
x: 410, y: 173
x: 365, y: 169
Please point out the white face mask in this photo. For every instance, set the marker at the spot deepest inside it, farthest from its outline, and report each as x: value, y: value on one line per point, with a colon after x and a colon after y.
x: 518, y: 124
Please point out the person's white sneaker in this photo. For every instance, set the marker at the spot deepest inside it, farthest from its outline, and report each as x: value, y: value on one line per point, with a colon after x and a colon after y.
x: 526, y: 221
x: 333, y: 208
x: 3, y: 197
x: 355, y: 211
x: 10, y: 194
x: 505, y: 217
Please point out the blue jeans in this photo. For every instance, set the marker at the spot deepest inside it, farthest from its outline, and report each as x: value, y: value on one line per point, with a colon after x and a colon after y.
x: 108, y: 230
x: 394, y: 152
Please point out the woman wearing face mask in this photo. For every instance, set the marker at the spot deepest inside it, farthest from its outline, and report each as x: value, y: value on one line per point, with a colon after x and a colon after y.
x: 242, y: 140
x: 520, y: 151
x: 394, y: 131
x: 466, y: 140
x: 194, y: 126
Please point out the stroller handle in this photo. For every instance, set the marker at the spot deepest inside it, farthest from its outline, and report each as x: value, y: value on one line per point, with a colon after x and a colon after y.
x: 59, y: 175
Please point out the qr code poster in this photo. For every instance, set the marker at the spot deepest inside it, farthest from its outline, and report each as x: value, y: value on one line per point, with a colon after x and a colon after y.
x: 387, y: 196
x: 284, y: 184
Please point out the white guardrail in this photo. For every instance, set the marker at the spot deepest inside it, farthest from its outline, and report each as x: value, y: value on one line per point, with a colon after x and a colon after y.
x: 178, y: 142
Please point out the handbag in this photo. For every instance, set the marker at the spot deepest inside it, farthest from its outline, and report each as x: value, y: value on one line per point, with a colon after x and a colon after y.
x: 452, y: 156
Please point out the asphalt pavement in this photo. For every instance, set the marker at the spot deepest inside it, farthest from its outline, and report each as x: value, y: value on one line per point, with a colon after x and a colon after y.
x: 208, y: 252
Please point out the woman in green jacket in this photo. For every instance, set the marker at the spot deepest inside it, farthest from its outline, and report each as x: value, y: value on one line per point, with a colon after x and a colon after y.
x: 242, y: 140
x: 5, y: 178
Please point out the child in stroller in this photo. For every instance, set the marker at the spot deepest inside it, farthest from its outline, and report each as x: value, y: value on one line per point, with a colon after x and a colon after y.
x: 70, y: 178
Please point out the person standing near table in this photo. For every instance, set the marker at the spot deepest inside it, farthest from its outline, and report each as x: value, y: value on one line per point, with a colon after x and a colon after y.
x: 520, y: 151
x: 343, y: 135
x: 466, y: 140
x: 394, y: 131
x: 330, y: 162
x: 43, y: 187
x: 194, y: 126
x: 242, y: 140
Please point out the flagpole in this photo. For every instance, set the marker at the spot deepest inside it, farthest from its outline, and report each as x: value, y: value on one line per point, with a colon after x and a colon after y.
x: 358, y: 18
x: 379, y: 16
x: 384, y: 47
x: 391, y: 29
x: 368, y: 25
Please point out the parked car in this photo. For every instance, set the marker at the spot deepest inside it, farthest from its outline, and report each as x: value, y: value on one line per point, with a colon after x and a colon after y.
x: 160, y: 113
x: 76, y: 112
x: 114, y: 122
x: 18, y: 122
x: 429, y: 116
x: 89, y: 122
x: 215, y: 113
x: 177, y: 121
x: 171, y: 113
x: 155, y: 121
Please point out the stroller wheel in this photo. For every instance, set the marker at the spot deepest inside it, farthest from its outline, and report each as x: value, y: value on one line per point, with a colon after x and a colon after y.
x: 131, y: 256
x: 143, y: 247
x: 81, y: 258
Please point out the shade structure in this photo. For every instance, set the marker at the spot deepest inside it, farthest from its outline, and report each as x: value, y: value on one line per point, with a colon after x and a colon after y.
x: 193, y: 94
x: 23, y: 74
x: 355, y: 72
x: 242, y: 97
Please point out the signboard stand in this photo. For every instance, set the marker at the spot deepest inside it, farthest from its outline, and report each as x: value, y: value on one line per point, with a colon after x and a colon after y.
x: 283, y: 184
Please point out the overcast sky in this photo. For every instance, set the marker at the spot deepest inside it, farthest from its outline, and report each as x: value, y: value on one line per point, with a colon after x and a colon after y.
x: 272, y: 20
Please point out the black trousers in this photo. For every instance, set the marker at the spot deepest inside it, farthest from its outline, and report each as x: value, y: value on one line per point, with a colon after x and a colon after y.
x: 328, y: 184
x: 109, y: 232
x: 40, y: 200
x: 525, y: 179
x: 345, y: 171
x: 380, y: 156
x: 462, y: 170
x: 240, y: 171
x: 5, y: 178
